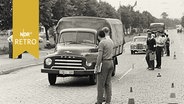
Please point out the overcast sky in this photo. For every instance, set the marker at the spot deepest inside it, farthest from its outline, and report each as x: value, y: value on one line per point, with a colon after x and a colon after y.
x: 174, y: 8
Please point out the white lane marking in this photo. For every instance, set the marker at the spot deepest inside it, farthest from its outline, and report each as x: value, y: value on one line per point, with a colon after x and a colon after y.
x: 125, y: 73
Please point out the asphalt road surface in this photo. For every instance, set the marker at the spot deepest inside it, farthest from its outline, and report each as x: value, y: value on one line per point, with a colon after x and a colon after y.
x: 133, y: 83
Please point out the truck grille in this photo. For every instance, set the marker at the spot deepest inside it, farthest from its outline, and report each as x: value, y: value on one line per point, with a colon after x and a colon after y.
x: 68, y: 63
x: 139, y: 46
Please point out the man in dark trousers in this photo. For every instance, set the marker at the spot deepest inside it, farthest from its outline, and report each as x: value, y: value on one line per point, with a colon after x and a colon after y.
x: 159, y: 48
x: 167, y: 44
x: 150, y: 53
x: 10, y: 41
x: 104, y: 68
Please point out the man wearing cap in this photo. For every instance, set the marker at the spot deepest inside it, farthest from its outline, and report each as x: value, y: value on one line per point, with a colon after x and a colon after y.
x: 104, y: 73
x: 159, y: 48
x: 106, y: 30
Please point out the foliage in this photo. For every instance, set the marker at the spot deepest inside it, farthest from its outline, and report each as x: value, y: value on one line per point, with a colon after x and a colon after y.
x: 170, y: 23
x: 65, y: 8
x: 51, y: 10
x: 182, y: 21
x: 4, y: 50
x: 5, y: 14
x: 135, y: 19
x: 164, y: 15
x: 46, y: 12
x: 105, y: 10
x: 126, y: 16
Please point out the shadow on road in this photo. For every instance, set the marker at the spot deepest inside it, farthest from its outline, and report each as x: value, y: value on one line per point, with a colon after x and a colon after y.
x: 73, y: 82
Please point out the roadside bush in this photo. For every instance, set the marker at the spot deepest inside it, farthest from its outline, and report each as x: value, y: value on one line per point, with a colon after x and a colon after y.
x: 4, y: 50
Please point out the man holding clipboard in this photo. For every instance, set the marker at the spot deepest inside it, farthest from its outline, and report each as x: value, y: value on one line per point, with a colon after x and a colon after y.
x: 150, y: 54
x: 104, y: 68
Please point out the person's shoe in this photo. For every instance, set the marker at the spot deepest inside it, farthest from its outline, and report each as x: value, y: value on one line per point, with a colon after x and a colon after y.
x: 103, y: 99
x: 149, y: 68
x: 159, y: 67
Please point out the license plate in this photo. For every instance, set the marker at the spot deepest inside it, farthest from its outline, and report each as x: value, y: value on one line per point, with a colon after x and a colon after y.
x: 66, y: 72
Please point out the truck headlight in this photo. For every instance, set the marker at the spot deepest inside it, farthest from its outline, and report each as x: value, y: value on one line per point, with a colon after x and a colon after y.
x: 48, y: 61
x: 88, y: 63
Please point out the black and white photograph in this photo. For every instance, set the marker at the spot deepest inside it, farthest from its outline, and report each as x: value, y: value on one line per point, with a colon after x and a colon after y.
x: 96, y: 52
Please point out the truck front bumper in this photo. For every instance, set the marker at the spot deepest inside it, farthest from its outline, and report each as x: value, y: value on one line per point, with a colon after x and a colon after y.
x: 138, y: 50
x: 68, y: 72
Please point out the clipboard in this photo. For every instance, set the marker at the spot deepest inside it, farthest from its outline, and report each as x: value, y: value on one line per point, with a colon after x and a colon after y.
x: 152, y: 56
x: 99, y: 68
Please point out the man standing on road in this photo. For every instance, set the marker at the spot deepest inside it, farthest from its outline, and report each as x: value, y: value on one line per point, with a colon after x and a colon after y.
x: 150, y: 54
x: 167, y: 44
x: 10, y: 41
x: 159, y: 49
x: 104, y: 68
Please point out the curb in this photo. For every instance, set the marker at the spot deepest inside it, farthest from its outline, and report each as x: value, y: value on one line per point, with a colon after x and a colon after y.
x: 3, y: 72
x: 13, y: 69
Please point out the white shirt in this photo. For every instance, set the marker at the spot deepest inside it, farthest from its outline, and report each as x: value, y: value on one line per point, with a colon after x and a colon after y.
x: 159, y: 41
x: 10, y: 38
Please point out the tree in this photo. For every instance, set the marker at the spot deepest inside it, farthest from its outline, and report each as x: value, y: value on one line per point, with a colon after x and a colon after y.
x: 164, y: 15
x: 182, y: 21
x: 147, y: 19
x: 90, y: 8
x: 126, y: 16
x: 105, y: 10
x: 5, y: 14
x: 59, y: 9
x: 65, y: 8
x: 46, y: 14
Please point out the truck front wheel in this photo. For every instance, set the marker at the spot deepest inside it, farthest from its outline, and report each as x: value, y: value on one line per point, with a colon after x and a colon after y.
x: 52, y: 79
x: 92, y: 79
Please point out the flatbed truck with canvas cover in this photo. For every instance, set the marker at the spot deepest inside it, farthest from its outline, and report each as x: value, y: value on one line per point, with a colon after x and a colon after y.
x: 76, y: 50
x: 155, y: 27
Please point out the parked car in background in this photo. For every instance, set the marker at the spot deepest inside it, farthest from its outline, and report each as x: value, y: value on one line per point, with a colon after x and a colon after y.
x: 179, y: 28
x: 138, y: 44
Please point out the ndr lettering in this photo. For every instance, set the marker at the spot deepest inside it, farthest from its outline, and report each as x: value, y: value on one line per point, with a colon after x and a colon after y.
x: 25, y: 41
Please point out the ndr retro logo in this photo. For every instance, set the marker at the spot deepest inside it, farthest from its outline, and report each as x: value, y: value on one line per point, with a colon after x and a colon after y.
x: 25, y: 39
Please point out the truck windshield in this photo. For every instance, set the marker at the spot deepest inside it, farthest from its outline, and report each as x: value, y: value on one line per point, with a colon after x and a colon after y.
x: 77, y: 37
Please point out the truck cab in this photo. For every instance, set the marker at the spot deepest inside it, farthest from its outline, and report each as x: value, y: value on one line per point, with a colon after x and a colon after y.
x: 76, y: 48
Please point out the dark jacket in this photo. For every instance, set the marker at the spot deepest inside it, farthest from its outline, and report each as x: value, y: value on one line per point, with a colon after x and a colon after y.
x: 151, y: 44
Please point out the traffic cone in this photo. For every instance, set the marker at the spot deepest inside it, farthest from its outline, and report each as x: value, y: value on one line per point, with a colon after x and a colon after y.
x: 131, y: 89
x: 174, y: 55
x: 131, y: 101
x: 132, y: 66
x: 159, y: 75
x: 172, y: 86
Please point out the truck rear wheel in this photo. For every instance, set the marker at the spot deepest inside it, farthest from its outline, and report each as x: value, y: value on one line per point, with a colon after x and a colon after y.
x: 92, y: 79
x: 52, y: 79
